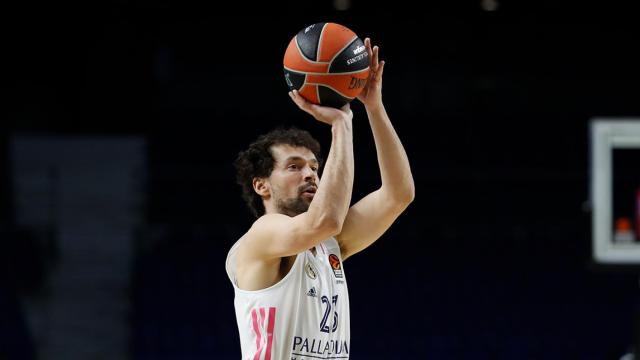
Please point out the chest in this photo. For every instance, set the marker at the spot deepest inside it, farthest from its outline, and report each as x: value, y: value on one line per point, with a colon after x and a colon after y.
x: 324, y: 274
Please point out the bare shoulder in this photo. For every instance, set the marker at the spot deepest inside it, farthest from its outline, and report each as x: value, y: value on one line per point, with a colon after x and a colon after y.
x: 263, y: 228
x: 253, y: 243
x: 266, y: 222
x: 256, y: 268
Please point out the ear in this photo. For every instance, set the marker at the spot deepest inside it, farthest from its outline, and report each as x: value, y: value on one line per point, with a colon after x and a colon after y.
x: 261, y: 187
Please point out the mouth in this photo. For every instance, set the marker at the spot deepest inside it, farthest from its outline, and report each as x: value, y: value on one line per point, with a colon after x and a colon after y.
x: 309, y: 191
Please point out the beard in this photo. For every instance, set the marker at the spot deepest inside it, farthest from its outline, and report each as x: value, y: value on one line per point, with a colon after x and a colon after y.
x: 292, y: 206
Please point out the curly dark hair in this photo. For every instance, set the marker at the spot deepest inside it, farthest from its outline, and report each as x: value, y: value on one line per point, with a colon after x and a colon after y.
x: 257, y: 161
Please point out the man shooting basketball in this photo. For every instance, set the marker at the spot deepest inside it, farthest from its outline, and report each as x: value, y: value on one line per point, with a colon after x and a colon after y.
x: 291, y: 297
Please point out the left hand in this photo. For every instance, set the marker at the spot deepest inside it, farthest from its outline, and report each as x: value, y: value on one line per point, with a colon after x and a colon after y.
x: 371, y: 95
x: 325, y: 114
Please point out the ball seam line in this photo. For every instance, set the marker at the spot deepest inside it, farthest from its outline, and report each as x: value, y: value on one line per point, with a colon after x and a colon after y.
x: 320, y: 41
x: 330, y: 87
x: 306, y: 58
x: 316, y: 73
x: 341, y: 50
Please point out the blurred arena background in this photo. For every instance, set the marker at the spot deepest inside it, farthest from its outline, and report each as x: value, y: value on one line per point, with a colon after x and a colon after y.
x: 118, y: 202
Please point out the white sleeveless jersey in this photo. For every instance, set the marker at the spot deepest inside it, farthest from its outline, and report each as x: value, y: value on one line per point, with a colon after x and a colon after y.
x: 305, y: 316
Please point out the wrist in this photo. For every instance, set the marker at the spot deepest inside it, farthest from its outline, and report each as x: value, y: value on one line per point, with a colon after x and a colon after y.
x: 376, y: 107
x: 341, y: 124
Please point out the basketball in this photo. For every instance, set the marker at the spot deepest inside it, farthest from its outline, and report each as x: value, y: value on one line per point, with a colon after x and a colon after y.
x: 327, y: 63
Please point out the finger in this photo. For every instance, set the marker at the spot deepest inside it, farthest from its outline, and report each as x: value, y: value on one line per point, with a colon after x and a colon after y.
x: 367, y: 45
x: 380, y: 70
x: 306, y: 105
x: 299, y: 100
x: 374, y: 60
x: 295, y: 97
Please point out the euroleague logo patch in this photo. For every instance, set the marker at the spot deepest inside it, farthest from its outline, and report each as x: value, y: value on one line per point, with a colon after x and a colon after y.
x: 334, y: 261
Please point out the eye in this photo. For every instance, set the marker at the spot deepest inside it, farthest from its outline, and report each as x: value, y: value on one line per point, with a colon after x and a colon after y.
x: 292, y: 166
x: 315, y: 169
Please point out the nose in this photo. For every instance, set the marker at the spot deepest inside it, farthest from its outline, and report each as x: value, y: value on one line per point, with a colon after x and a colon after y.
x: 309, y: 174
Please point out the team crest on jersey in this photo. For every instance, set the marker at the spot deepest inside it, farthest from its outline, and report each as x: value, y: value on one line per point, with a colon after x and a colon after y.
x: 334, y: 260
x: 311, y: 272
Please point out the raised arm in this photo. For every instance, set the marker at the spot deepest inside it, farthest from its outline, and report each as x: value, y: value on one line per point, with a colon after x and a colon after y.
x: 370, y: 217
x: 276, y: 235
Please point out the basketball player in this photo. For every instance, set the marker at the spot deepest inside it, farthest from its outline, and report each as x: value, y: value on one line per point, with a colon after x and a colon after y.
x: 291, y: 298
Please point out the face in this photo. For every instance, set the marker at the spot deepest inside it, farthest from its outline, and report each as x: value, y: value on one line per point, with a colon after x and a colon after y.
x: 294, y: 179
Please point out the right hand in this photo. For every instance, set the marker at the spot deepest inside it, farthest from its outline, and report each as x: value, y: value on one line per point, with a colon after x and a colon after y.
x: 325, y: 114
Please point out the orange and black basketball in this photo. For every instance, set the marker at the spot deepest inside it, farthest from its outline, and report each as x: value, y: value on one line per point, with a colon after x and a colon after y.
x: 327, y: 63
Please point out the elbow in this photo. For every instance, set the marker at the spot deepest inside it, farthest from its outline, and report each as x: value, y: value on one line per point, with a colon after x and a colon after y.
x: 405, y: 197
x: 410, y: 194
x: 406, y: 193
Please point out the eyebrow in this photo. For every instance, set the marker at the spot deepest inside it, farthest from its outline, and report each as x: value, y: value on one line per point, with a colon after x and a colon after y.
x: 299, y: 158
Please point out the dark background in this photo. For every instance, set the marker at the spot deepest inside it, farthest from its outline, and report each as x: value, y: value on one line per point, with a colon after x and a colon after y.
x: 493, y: 258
